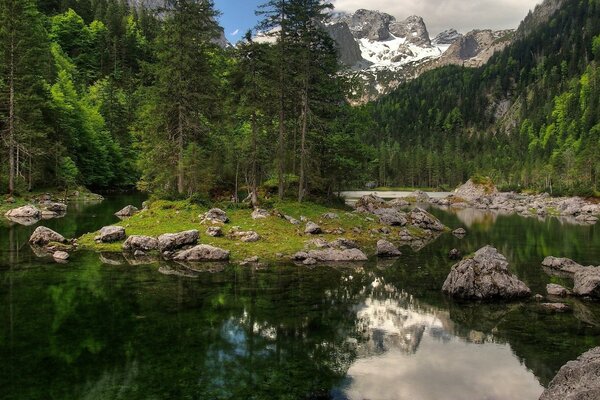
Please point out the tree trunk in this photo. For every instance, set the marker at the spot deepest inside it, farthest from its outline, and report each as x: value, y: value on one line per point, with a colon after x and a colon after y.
x: 281, y: 145
x: 253, y: 172
x: 180, y: 182
x: 301, y: 183
x: 11, y: 117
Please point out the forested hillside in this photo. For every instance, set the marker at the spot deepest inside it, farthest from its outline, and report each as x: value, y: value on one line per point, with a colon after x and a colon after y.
x: 530, y: 118
x: 107, y: 94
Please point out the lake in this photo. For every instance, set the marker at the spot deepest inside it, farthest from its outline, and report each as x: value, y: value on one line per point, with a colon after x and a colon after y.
x: 97, y: 328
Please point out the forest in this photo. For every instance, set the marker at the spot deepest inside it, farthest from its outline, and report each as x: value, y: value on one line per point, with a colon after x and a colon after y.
x: 529, y: 118
x: 107, y: 94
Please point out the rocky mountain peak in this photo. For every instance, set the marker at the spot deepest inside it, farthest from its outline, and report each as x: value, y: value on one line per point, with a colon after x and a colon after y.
x: 448, y: 36
x: 369, y: 24
x: 413, y: 29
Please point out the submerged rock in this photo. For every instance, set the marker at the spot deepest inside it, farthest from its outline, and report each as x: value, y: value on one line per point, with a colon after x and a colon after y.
x: 140, y: 243
x: 27, y: 211
x: 202, y: 252
x: 484, y: 276
x: 460, y: 232
x: 577, y: 380
x: 555, y: 307
x: 110, y: 234
x: 127, y: 211
x: 556, y: 290
x: 60, y: 255
x: 331, y: 255
x: 42, y: 236
x: 387, y: 249
x: 455, y: 254
x: 175, y: 241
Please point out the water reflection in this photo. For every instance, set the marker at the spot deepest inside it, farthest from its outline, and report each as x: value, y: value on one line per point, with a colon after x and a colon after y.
x: 409, y: 350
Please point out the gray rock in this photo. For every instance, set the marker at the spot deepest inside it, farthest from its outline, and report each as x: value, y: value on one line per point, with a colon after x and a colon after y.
x: 348, y: 49
x: 387, y: 249
x: 455, y: 254
x: 337, y: 255
x: 391, y: 217
x: 140, y: 243
x: 259, y: 213
x: 369, y: 203
x: 318, y: 243
x: 330, y: 215
x: 422, y: 219
x: 214, y: 231
x: 59, y: 208
x: 60, y: 255
x: 110, y: 234
x: 398, y: 203
x: 471, y: 191
x: 42, y: 236
x: 577, y: 380
x: 556, y: 290
x: 291, y: 220
x: 309, y: 261
x: 202, y: 252
x: 127, y: 211
x: 587, y: 282
x: 420, y: 196
x: 27, y: 211
x: 555, y: 307
x: 460, y: 232
x: 175, y: 241
x: 561, y: 265
x: 215, y: 216
x: 484, y: 276
x: 343, y: 243
x: 312, y: 229
x: 247, y: 236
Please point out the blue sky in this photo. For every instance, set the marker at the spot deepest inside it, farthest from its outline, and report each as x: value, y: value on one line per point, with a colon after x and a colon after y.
x: 237, y: 16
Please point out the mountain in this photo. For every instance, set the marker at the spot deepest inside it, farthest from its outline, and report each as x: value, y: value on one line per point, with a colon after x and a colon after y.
x: 528, y: 117
x: 381, y: 52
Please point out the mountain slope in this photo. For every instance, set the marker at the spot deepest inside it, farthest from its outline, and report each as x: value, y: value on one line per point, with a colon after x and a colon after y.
x: 530, y: 116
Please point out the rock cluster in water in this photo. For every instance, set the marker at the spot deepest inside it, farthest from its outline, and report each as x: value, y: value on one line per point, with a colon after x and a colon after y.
x: 586, y: 280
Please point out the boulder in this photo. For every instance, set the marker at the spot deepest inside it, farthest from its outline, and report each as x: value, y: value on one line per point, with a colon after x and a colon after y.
x: 318, y: 243
x: 110, y: 234
x: 259, y: 213
x: 484, y: 276
x: 60, y: 255
x: 291, y: 220
x: 577, y: 380
x: 587, y: 282
x: 455, y: 254
x: 59, y: 208
x: 214, y: 231
x: 127, y: 211
x: 343, y: 243
x: 369, y: 203
x: 309, y: 261
x: 312, y: 229
x: 419, y: 196
x: 140, y: 243
x: 471, y: 191
x: 391, y: 216
x: 330, y: 215
x: 42, y: 236
x: 398, y: 203
x: 215, y: 216
x: 27, y: 211
x: 201, y: 253
x: 460, y: 232
x: 331, y: 255
x: 561, y: 265
x: 175, y: 241
x: 387, y: 249
x: 556, y: 290
x: 422, y: 219
x: 247, y: 236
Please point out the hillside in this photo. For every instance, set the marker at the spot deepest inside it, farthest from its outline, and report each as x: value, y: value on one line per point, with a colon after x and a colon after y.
x: 529, y: 117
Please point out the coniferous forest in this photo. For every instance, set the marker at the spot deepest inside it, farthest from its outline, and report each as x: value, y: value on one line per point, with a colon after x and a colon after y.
x: 106, y: 93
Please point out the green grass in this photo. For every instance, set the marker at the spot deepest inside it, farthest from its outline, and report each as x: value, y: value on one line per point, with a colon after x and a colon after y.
x: 278, y: 236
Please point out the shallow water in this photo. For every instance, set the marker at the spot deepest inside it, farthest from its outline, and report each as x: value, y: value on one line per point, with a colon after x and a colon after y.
x: 378, y: 330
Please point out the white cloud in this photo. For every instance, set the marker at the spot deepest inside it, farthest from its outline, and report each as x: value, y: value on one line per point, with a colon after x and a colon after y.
x: 234, y: 33
x: 463, y: 15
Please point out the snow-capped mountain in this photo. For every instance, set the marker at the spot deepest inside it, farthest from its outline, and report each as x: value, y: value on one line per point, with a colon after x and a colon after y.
x: 382, y: 52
